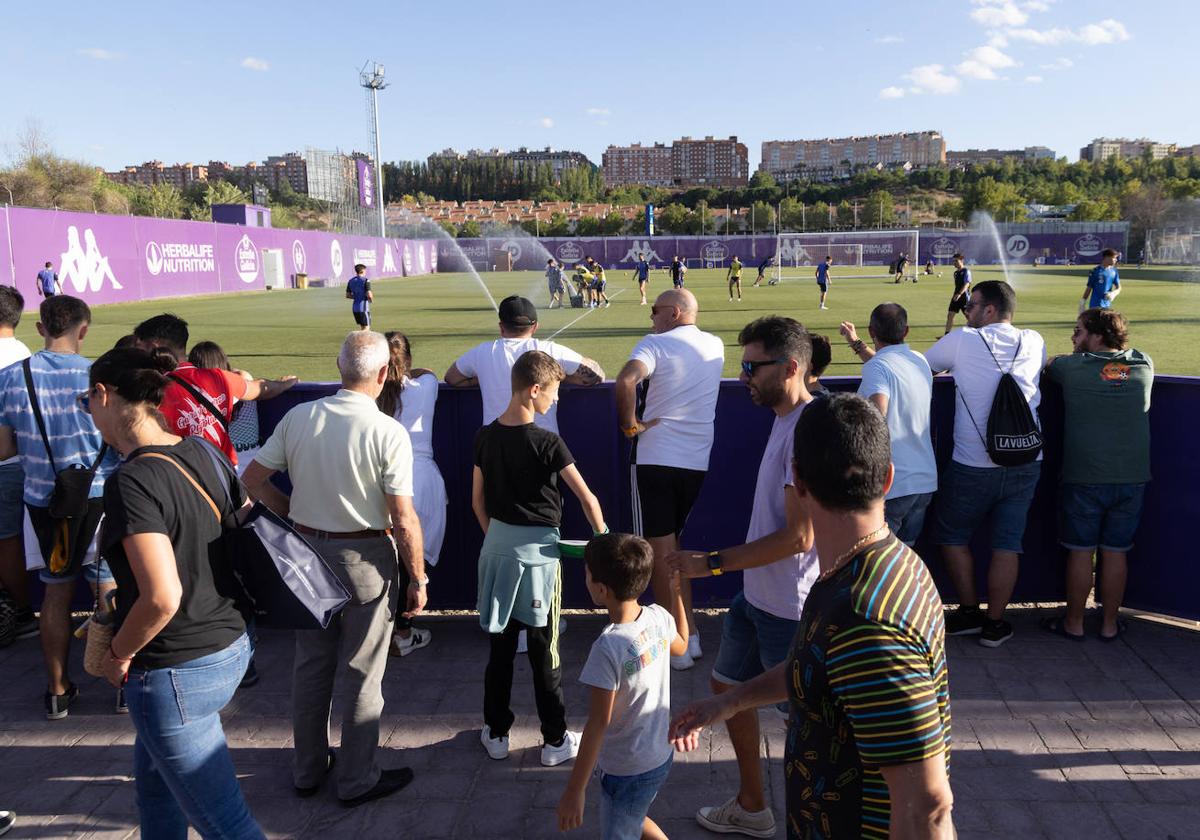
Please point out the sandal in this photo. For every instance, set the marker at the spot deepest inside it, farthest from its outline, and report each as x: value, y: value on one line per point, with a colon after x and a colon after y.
x: 1121, y: 628
x: 1055, y: 626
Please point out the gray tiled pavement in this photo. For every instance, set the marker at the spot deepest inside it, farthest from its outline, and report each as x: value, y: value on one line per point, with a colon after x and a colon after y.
x: 1051, y: 739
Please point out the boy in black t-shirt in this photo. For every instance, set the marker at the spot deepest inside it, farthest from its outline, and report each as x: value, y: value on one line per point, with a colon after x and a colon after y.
x: 962, y: 290
x: 515, y: 497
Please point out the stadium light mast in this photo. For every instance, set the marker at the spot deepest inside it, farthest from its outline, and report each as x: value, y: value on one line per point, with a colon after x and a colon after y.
x: 371, y: 79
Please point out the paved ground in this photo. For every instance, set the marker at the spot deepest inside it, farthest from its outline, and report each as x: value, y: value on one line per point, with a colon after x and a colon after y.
x: 1052, y: 739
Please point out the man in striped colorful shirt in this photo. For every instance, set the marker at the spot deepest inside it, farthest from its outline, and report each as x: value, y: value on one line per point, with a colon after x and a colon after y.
x: 868, y: 744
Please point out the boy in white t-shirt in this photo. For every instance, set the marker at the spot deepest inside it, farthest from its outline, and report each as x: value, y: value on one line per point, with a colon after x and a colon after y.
x: 629, y: 673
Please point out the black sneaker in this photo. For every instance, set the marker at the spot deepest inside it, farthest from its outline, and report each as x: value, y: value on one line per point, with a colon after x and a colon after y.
x: 964, y: 621
x: 58, y: 705
x: 995, y: 633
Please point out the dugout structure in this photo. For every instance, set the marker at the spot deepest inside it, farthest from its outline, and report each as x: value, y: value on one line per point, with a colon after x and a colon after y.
x: 872, y: 253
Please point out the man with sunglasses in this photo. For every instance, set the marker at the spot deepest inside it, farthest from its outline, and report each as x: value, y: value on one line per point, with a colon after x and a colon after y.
x: 778, y: 557
x: 672, y: 433
x: 972, y: 487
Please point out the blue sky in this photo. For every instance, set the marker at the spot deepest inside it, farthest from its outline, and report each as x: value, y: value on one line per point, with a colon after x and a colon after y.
x: 128, y: 82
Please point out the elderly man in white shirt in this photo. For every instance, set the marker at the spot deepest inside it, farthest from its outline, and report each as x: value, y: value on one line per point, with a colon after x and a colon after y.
x: 351, y: 471
x: 973, y: 487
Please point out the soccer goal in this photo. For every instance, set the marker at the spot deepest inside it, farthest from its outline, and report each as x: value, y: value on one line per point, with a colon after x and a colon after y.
x: 797, y: 260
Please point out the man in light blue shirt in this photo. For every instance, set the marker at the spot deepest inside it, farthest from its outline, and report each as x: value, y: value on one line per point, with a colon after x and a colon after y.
x: 897, y: 380
x: 60, y: 383
x: 47, y: 282
x: 1103, y: 284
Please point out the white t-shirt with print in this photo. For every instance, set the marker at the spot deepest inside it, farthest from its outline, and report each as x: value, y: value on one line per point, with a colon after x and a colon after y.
x: 492, y: 363
x: 684, y: 367
x: 976, y: 375
x: 634, y: 660
x: 781, y: 587
x: 12, y: 350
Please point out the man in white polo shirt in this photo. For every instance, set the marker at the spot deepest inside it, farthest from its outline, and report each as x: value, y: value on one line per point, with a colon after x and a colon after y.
x: 673, y: 435
x: 973, y: 487
x: 897, y: 381
x: 489, y: 365
x: 351, y: 471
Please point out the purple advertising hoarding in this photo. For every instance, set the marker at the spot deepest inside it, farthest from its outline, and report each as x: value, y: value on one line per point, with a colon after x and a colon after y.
x: 366, y: 183
x: 1020, y: 245
x: 112, y: 259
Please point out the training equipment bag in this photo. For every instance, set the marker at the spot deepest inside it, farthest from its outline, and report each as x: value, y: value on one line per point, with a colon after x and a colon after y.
x: 1013, y: 437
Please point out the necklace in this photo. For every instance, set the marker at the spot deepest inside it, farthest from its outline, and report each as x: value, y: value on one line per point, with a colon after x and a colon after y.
x: 878, y: 533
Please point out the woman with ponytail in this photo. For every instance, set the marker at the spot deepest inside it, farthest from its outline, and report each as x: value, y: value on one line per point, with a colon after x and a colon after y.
x: 410, y: 395
x: 181, y: 647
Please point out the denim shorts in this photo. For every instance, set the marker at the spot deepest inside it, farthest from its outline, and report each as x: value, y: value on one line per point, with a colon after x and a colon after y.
x: 1099, y: 515
x: 752, y: 641
x: 12, y: 495
x: 625, y: 801
x: 905, y: 515
x: 968, y: 495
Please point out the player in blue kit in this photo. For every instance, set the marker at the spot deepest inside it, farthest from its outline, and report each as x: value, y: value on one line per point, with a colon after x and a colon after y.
x: 358, y: 289
x: 641, y: 272
x: 823, y: 279
x: 1103, y: 284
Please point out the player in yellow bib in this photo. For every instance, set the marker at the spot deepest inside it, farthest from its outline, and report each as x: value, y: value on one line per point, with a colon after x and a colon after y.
x: 734, y: 277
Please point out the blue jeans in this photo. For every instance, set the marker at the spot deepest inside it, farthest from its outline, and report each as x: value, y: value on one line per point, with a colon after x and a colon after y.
x: 905, y: 515
x: 969, y: 495
x: 752, y: 641
x: 181, y: 763
x: 625, y: 801
x: 1103, y: 516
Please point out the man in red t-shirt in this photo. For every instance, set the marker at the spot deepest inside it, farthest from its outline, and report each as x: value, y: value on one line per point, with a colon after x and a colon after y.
x: 186, y: 414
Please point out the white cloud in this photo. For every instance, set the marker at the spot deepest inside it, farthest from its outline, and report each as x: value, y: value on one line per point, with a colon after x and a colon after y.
x: 1037, y: 5
x: 892, y: 92
x: 997, y: 40
x: 999, y: 14
x: 1107, y: 31
x: 890, y: 39
x: 545, y: 122
x: 599, y: 112
x: 258, y: 64
x: 1034, y: 80
x: 932, y: 78
x: 1059, y: 64
x: 982, y: 62
x: 101, y: 54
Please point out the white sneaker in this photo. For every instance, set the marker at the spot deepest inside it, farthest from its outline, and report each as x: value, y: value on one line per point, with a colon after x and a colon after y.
x: 823, y: 306
x: 732, y: 818
x: 553, y: 756
x: 416, y: 640
x: 682, y: 663
x: 522, y: 642
x: 694, y: 650
x: 497, y: 748
x: 607, y: 304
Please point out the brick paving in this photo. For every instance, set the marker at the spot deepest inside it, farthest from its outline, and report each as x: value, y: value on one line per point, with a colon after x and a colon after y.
x: 1052, y: 739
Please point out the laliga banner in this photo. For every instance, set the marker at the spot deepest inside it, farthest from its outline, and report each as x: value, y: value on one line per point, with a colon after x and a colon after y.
x: 114, y: 259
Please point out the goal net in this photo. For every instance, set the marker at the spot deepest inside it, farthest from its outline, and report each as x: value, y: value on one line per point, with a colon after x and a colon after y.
x: 705, y: 262
x: 795, y: 260
x: 867, y: 253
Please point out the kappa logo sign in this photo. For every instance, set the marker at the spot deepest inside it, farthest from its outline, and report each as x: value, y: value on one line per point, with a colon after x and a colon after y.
x: 389, y: 262
x: 83, y: 266
x: 406, y: 257
x: 433, y: 252
x: 179, y: 257
x: 299, y: 258
x: 421, y: 261
x: 245, y: 258
x: 335, y: 257
x: 641, y: 247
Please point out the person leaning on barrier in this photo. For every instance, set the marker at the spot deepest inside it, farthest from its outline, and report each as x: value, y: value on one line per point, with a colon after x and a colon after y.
x: 1106, y: 462
x: 897, y: 380
x: 866, y: 677
x: 351, y: 471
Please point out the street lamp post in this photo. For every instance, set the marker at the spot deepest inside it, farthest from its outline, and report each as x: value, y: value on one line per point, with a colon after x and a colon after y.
x: 371, y: 78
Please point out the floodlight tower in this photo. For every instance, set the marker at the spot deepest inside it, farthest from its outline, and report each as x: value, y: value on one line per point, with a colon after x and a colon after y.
x: 371, y: 79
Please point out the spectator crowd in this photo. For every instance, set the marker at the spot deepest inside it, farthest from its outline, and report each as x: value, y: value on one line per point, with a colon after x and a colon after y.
x: 124, y: 472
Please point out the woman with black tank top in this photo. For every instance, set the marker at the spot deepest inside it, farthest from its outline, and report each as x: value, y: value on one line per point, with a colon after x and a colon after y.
x: 181, y: 646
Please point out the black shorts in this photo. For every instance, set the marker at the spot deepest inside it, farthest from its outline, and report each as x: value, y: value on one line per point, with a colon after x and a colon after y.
x: 363, y: 319
x: 823, y: 285
x: 957, y: 303
x: 663, y: 498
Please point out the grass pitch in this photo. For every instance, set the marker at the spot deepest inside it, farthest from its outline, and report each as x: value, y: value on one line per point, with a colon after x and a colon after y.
x: 278, y: 332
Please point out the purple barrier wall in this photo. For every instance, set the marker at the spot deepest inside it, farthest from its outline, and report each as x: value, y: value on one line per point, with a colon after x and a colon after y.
x: 1161, y: 577
x: 113, y: 259
x: 977, y: 247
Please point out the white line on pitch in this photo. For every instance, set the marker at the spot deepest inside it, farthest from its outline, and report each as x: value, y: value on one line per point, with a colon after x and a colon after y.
x: 581, y: 317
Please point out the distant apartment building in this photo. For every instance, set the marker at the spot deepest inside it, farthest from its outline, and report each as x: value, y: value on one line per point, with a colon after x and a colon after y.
x: 710, y: 162
x: 289, y: 167
x: 154, y: 172
x: 1188, y: 151
x: 637, y: 164
x: 1103, y: 148
x: 788, y: 160
x: 559, y: 161
x: 687, y: 162
x: 975, y: 157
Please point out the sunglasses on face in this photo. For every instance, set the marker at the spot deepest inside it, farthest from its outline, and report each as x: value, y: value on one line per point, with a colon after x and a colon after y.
x: 749, y: 368
x: 969, y: 305
x: 654, y: 310
x: 84, y: 401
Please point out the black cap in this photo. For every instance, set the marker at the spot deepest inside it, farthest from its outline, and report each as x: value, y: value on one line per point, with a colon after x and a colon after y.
x: 516, y: 311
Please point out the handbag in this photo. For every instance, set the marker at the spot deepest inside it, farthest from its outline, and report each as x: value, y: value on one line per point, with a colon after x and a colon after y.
x: 283, y: 581
x: 73, y: 485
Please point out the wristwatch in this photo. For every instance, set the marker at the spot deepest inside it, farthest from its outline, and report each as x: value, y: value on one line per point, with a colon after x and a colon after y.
x: 714, y: 563
x: 421, y: 584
